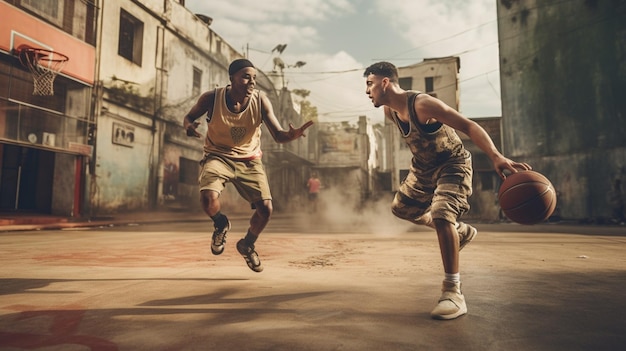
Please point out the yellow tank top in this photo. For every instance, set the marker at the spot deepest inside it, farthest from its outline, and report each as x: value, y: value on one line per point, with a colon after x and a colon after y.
x: 234, y: 135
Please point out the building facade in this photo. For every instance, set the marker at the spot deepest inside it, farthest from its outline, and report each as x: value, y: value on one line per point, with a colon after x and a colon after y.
x: 46, y: 134
x: 156, y: 58
x: 147, y: 89
x: 343, y: 164
x: 110, y: 137
x: 563, y: 79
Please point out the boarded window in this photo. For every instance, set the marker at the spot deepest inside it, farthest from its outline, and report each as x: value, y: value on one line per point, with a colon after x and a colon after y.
x: 429, y: 84
x: 406, y: 83
x: 197, y: 82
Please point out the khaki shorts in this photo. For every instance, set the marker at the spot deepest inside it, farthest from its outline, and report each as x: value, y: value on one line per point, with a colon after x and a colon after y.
x: 248, y: 177
x: 442, y: 191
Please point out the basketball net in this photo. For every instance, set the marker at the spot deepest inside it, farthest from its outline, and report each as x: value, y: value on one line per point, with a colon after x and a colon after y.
x: 44, y: 65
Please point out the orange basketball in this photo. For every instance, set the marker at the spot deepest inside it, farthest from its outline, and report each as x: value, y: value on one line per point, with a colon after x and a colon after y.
x: 527, y: 197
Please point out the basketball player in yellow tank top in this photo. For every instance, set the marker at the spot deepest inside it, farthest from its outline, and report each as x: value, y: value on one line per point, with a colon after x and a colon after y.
x: 436, y: 190
x: 232, y: 153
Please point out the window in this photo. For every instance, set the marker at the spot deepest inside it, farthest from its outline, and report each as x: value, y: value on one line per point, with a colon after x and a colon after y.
x: 429, y: 84
x: 218, y: 46
x: 197, y: 82
x: 74, y: 17
x: 406, y: 83
x: 52, y: 10
x: 131, y: 38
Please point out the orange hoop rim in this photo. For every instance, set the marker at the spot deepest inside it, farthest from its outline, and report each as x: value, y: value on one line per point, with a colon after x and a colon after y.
x: 42, y: 54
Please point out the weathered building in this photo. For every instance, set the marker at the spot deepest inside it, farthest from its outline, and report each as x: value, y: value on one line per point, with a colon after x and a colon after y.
x: 343, y: 163
x: 563, y: 82
x: 156, y: 60
x: 46, y: 120
x: 110, y: 138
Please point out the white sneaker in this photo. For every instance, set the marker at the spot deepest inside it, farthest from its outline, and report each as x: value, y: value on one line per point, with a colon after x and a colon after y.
x: 451, y: 303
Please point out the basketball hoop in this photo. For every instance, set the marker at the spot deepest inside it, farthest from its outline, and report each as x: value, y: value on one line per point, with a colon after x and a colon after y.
x: 44, y: 64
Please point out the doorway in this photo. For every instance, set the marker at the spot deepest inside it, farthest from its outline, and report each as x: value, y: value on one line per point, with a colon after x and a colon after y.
x: 26, y: 179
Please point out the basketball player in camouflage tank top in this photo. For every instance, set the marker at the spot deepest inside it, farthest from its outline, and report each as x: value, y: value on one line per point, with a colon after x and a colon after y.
x: 436, y: 190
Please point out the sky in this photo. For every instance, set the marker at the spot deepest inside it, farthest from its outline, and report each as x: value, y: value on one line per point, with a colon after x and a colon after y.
x: 338, y: 39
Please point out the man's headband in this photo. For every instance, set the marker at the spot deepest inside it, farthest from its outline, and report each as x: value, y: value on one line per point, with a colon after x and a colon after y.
x: 237, y: 65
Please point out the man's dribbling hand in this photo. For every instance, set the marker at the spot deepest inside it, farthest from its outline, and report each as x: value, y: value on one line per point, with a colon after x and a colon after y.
x: 503, y: 164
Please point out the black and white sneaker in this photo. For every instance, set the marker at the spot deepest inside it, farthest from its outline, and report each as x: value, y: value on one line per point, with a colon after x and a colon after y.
x: 219, y: 238
x: 251, y: 257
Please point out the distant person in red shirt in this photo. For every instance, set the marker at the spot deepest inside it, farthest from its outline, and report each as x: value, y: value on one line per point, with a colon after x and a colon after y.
x: 314, y: 185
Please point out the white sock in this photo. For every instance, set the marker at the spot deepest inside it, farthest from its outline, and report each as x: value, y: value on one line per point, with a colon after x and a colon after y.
x: 453, y: 277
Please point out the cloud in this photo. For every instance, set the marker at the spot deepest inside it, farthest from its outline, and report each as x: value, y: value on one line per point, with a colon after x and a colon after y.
x: 338, y: 38
x: 467, y: 29
x: 339, y: 88
x: 336, y: 83
x: 264, y: 24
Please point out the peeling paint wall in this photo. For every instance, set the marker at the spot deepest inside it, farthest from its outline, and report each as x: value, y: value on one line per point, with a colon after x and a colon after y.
x: 122, y: 170
x: 148, y: 97
x: 563, y: 79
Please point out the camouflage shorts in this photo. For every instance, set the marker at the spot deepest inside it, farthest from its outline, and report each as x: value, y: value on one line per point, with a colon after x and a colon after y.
x: 442, y: 191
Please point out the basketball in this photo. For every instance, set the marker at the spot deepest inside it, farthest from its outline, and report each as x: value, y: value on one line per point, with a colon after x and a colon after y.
x: 527, y: 197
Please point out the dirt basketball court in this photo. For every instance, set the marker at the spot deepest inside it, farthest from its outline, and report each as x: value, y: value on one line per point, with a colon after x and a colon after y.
x: 157, y: 287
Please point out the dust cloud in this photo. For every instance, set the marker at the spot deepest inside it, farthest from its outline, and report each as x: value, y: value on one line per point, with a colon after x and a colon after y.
x: 338, y: 210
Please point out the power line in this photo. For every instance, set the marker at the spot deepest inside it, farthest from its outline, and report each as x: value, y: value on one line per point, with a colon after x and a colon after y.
x: 521, y: 62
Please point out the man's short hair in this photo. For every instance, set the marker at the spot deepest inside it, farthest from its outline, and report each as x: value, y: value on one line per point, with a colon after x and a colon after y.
x: 383, y: 69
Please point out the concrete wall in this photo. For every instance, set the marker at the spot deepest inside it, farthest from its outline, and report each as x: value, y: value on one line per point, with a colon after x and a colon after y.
x: 122, y: 172
x: 563, y: 79
x: 150, y: 98
x: 121, y: 178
